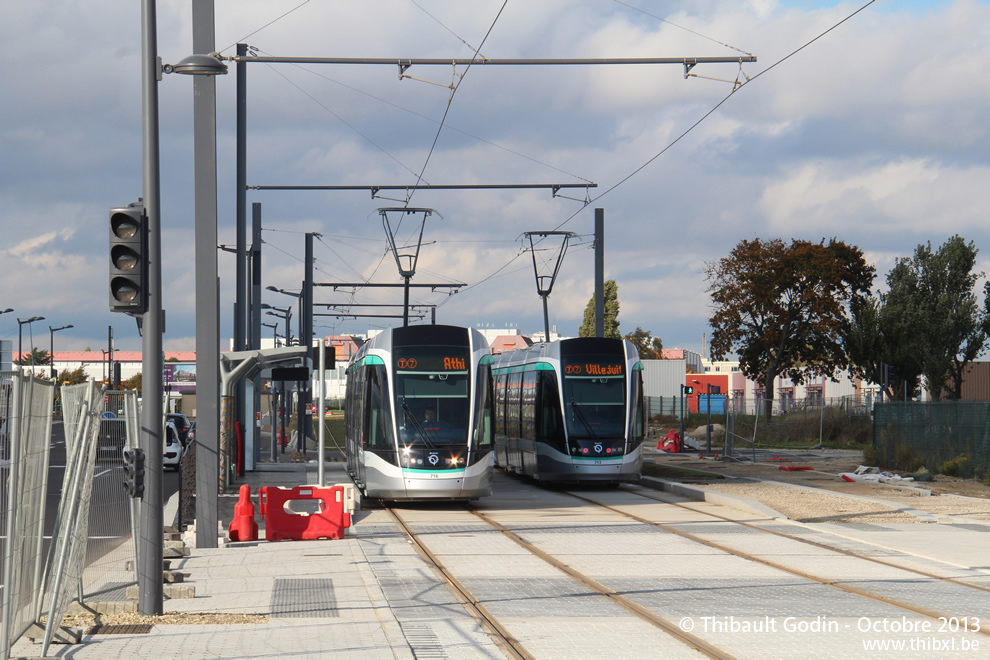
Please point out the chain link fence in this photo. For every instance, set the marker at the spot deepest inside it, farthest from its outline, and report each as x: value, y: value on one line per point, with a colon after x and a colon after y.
x: 948, y: 437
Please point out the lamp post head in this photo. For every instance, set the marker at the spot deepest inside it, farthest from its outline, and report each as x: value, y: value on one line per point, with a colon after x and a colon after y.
x: 9, y: 309
x: 198, y: 65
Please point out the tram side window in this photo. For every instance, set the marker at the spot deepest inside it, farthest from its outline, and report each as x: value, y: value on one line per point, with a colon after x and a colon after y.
x: 500, y: 400
x: 357, y: 406
x: 484, y: 434
x: 551, y: 425
x: 637, y: 411
x: 512, y: 405
x: 377, y: 432
x: 528, y: 421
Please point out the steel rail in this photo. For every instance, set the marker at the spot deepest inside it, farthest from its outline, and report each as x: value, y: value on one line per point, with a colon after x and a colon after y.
x: 478, y: 611
x: 780, y: 567
x: 817, y: 544
x: 650, y: 617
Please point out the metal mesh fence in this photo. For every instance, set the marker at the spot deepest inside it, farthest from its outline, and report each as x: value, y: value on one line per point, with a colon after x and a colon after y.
x: 70, y: 535
x: 26, y: 414
x: 663, y: 405
x: 112, y: 520
x: 949, y: 437
x: 795, y: 424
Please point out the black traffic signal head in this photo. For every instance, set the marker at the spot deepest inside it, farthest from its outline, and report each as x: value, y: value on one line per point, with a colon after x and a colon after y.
x: 688, y: 389
x: 129, y: 259
x: 134, y: 472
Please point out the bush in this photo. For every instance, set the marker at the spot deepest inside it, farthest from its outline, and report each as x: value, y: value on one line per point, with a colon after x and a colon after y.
x: 956, y: 467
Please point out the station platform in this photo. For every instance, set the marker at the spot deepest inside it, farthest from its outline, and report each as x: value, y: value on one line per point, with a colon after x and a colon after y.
x: 370, y: 595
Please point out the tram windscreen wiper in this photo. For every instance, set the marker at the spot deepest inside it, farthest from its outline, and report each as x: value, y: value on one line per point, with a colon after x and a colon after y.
x: 415, y: 424
x: 576, y: 407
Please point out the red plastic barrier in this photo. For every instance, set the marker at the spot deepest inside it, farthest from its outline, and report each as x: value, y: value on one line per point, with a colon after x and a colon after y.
x: 243, y: 526
x: 281, y: 522
x: 670, y: 442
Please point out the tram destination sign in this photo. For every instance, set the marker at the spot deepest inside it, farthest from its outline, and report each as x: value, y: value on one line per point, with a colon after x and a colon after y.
x: 431, y: 363
x: 593, y: 369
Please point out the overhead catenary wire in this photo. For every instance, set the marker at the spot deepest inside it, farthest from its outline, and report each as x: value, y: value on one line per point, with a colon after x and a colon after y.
x: 451, y: 99
x: 681, y: 136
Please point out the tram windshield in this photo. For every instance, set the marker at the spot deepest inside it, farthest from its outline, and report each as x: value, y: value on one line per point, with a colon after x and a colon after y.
x: 432, y: 390
x: 595, y: 397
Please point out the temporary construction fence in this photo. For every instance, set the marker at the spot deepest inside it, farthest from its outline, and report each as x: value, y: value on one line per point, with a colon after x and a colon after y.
x: 89, y: 545
x: 949, y: 437
x: 25, y: 427
x: 794, y: 425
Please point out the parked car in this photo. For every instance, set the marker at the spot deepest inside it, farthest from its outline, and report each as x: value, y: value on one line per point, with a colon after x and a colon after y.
x: 182, y: 426
x: 112, y: 438
x: 174, y: 449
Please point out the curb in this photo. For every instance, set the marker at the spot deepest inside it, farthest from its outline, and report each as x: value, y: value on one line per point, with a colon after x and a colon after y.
x: 746, y: 504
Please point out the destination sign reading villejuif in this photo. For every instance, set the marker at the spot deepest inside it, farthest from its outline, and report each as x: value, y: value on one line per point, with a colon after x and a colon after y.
x: 593, y: 369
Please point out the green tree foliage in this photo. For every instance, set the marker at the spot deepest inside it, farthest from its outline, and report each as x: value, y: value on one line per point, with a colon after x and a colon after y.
x: 74, y: 377
x: 36, y: 356
x: 132, y: 383
x: 782, y: 308
x: 611, y: 313
x: 929, y: 323
x: 649, y: 347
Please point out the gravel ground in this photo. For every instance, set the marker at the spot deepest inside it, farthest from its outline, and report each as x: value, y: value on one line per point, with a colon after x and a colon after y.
x: 963, y: 499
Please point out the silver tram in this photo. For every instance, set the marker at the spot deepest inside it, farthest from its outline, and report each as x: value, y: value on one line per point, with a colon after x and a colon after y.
x: 419, y: 414
x: 570, y: 411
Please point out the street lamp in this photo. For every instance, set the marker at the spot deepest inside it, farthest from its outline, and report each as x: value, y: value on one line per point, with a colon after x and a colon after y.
x: 305, y: 424
x: 20, y: 324
x: 9, y: 309
x: 51, y: 345
x: 284, y: 313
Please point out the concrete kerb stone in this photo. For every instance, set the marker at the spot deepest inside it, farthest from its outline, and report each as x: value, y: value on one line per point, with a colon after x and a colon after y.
x: 752, y: 506
x: 700, y: 494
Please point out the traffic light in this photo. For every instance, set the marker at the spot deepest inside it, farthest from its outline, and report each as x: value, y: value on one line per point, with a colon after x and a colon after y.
x: 129, y: 259
x: 688, y: 390
x: 134, y: 471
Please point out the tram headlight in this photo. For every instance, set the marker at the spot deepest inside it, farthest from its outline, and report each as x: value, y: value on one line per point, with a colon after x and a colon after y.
x: 455, y: 460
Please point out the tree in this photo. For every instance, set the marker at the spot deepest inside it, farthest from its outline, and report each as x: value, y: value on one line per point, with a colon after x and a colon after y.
x: 132, y: 383
x: 783, y: 308
x: 74, y: 377
x: 649, y: 347
x: 36, y: 356
x: 949, y: 327
x: 881, y: 343
x: 611, y: 313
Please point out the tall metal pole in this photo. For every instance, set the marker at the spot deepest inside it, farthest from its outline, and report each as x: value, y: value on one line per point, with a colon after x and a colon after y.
x: 207, y: 288
x: 599, y: 272
x: 242, y: 295
x: 252, y: 433
x: 150, y: 590
x: 306, y: 332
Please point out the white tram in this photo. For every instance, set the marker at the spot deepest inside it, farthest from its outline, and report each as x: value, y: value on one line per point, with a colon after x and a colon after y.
x: 571, y: 411
x: 419, y: 414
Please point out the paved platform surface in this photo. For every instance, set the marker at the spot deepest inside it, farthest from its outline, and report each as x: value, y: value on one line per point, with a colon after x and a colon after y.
x: 370, y: 595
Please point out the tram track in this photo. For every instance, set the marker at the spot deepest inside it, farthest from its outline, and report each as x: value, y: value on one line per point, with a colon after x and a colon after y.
x: 824, y: 546
x: 505, y: 638
x: 828, y: 582
x: 479, y: 612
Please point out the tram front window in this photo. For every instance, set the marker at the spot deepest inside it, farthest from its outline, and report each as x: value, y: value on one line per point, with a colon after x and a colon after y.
x: 594, y: 405
x: 433, y: 401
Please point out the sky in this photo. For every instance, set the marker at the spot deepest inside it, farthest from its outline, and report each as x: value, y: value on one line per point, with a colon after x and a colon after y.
x: 875, y: 134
